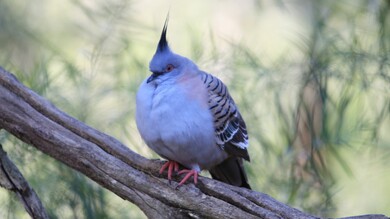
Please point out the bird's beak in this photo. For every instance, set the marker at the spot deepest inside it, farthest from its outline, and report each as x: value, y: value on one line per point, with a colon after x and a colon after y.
x: 152, y: 77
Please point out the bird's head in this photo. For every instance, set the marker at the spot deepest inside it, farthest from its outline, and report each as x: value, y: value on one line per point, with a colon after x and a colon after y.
x: 165, y: 64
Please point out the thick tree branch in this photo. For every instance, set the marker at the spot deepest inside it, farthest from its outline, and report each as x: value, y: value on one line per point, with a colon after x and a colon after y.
x: 105, y: 160
x: 11, y: 179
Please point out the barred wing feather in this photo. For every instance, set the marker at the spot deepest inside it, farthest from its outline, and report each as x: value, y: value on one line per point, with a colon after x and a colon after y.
x: 230, y: 129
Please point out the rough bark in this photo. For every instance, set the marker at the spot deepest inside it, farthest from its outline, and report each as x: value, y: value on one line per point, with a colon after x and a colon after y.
x: 105, y: 160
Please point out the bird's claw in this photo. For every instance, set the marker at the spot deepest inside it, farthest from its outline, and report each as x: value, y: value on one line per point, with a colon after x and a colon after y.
x: 188, y: 173
x: 172, y: 166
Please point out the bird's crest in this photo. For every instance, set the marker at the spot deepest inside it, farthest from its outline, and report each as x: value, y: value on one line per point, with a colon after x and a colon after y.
x: 163, y: 43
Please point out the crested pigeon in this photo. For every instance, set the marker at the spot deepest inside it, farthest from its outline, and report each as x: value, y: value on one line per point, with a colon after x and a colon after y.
x: 188, y: 117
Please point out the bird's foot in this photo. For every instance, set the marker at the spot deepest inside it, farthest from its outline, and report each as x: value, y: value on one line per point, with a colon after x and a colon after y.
x: 189, y: 173
x: 172, y: 166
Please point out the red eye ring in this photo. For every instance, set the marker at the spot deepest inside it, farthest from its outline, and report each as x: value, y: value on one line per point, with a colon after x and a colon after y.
x: 169, y: 68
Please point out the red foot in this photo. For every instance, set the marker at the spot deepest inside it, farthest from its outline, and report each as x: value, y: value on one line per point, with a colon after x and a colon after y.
x: 188, y: 175
x: 172, y: 165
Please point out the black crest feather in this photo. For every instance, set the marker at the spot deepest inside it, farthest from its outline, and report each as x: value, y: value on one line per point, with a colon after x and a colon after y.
x: 163, y: 43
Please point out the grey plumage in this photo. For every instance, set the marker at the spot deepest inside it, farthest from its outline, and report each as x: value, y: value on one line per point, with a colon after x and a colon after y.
x: 188, y: 116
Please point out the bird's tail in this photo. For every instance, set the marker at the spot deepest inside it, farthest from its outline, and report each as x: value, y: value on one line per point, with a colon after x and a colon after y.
x: 231, y: 171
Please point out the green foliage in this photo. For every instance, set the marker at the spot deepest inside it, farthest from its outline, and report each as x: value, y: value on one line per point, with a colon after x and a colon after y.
x: 88, y: 59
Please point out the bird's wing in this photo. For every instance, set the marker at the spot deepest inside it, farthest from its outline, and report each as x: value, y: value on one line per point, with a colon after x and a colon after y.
x: 230, y: 129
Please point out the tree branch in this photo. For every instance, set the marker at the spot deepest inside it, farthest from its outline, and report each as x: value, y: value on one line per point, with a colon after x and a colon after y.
x: 105, y: 160
x: 11, y: 179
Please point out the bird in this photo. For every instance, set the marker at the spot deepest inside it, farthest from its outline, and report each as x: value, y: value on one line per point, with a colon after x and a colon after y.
x: 188, y: 117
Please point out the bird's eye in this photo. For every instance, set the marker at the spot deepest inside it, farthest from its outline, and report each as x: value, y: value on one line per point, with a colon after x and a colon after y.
x: 169, y: 68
